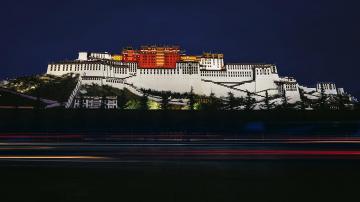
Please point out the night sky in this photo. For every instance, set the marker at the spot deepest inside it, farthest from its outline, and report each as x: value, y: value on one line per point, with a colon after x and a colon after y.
x: 312, y: 40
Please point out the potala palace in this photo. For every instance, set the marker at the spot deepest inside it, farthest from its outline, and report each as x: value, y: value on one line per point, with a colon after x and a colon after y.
x: 168, y: 69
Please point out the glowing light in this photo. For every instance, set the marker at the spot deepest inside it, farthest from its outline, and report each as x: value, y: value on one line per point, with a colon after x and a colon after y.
x: 51, y: 157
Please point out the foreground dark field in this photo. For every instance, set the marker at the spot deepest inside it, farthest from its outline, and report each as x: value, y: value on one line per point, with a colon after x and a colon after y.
x: 251, y: 180
x: 179, y: 156
x: 250, y: 170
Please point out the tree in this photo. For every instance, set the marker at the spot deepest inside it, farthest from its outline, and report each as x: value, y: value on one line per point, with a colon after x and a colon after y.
x: 267, y: 105
x: 232, y: 102
x: 121, y: 100
x: 191, y: 97
x: 81, y: 101
x: 249, y: 102
x: 212, y: 104
x: 144, y: 102
x: 342, y: 101
x: 322, y: 104
x: 165, y: 100
x: 285, y: 103
x: 303, y: 99
x: 103, y: 102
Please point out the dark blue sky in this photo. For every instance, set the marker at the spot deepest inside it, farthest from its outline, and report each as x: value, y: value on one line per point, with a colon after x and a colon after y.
x: 309, y: 39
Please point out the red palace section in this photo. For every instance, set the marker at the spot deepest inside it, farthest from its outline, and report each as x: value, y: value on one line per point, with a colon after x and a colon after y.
x: 130, y: 55
x: 149, y: 57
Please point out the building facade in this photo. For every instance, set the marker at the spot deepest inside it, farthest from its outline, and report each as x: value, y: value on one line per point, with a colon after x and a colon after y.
x: 327, y: 88
x: 96, y: 102
x: 209, y: 61
x: 163, y: 69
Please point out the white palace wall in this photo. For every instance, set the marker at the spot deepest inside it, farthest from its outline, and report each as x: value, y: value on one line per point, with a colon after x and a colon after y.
x: 167, y: 82
x: 235, y: 78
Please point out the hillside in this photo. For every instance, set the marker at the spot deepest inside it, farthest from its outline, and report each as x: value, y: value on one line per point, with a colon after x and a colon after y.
x: 44, y: 86
x: 11, y: 100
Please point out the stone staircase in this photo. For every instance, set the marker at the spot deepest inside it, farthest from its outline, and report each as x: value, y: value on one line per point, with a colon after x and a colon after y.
x: 232, y: 87
x: 74, y: 93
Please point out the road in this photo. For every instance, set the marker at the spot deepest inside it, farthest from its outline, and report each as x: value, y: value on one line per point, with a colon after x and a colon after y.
x: 177, y: 169
x: 170, y: 150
